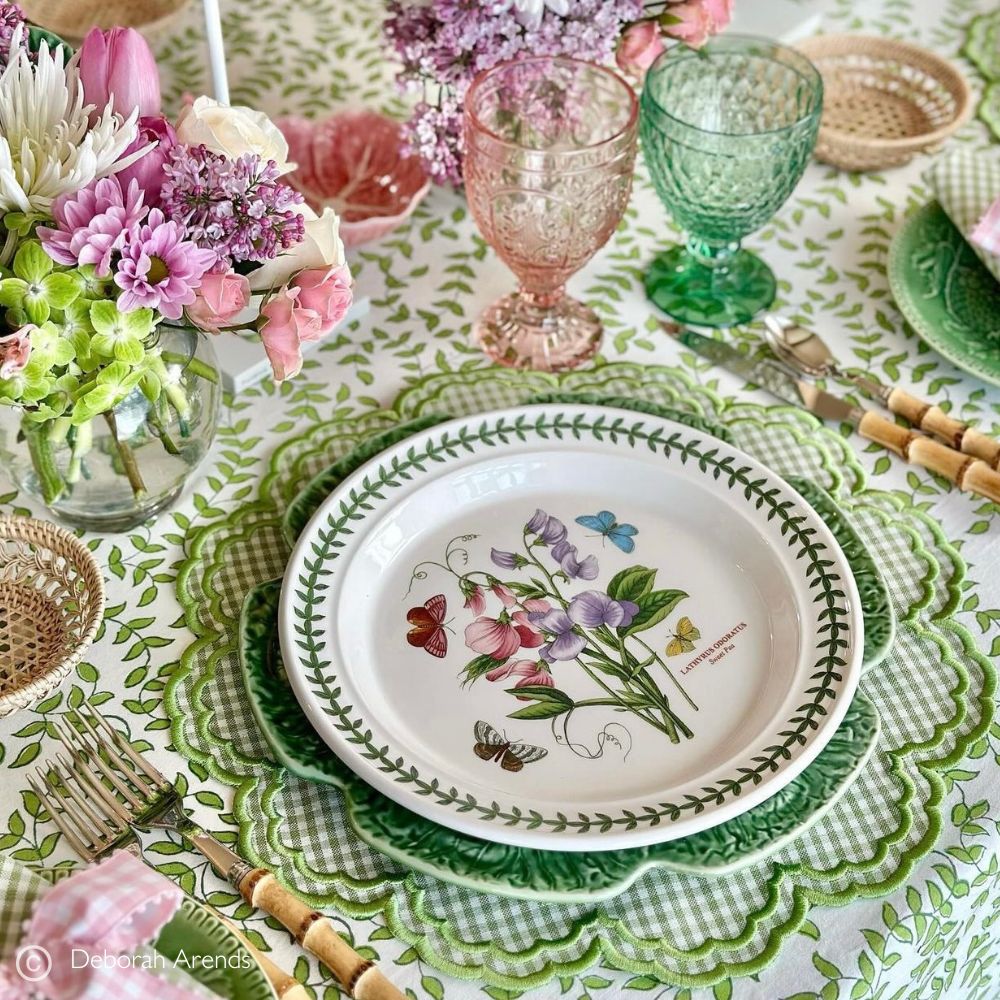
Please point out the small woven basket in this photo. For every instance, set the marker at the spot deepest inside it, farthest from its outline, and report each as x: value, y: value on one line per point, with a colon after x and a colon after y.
x: 72, y: 19
x: 51, y: 604
x: 883, y: 100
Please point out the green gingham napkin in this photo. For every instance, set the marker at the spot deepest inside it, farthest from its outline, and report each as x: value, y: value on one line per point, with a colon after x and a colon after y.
x: 967, y: 184
x: 19, y: 889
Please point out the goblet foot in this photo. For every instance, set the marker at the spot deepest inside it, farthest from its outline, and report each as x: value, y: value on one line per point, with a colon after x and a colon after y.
x: 724, y: 295
x: 519, y: 332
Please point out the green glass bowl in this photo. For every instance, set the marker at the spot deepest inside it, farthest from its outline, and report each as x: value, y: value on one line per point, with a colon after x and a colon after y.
x: 726, y: 131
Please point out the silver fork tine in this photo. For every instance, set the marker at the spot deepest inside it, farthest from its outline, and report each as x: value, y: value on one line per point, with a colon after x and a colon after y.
x: 69, y: 786
x: 140, y: 782
x: 82, y: 849
x: 78, y: 746
x: 86, y: 779
x: 137, y: 758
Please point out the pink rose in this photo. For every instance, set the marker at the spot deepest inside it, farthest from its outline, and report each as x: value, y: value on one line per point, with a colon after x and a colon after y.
x: 283, y: 327
x: 219, y: 299
x: 720, y: 12
x: 327, y: 292
x: 688, y: 21
x: 147, y: 171
x: 15, y: 350
x: 119, y: 65
x: 639, y: 47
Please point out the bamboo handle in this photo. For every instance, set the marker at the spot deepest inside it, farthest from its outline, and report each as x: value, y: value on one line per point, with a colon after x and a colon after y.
x: 967, y: 473
x: 286, y: 987
x: 316, y: 934
x: 933, y: 420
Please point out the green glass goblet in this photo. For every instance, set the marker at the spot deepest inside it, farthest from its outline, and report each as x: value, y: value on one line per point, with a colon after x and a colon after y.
x: 727, y: 132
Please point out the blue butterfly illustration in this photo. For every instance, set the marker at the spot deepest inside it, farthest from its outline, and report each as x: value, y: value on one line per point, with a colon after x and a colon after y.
x: 604, y: 523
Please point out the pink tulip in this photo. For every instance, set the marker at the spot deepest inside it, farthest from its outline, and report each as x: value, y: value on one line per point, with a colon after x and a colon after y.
x: 117, y: 66
x: 147, y: 171
x: 639, y: 47
x: 219, y: 299
x: 327, y: 292
x: 15, y: 350
x: 283, y: 327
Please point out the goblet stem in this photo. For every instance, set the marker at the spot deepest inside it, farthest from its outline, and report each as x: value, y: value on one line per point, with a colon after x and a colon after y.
x: 712, y: 253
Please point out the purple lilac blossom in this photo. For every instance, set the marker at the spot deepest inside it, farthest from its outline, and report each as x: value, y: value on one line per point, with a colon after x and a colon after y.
x: 448, y: 42
x: 237, y: 208
x: 591, y: 608
x: 11, y: 16
x: 565, y: 643
x: 160, y: 269
x: 93, y: 224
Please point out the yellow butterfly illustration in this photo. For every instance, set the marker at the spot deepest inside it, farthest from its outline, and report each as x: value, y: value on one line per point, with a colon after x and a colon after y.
x: 684, y: 638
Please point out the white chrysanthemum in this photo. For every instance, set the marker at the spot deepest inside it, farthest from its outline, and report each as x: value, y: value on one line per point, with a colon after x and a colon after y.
x: 48, y: 145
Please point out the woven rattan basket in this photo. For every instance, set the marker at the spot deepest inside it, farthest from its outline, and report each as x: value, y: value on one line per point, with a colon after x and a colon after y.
x: 72, y: 19
x: 51, y: 604
x: 883, y: 100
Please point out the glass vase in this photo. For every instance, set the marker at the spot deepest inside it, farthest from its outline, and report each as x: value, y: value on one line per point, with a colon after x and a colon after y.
x: 128, y: 464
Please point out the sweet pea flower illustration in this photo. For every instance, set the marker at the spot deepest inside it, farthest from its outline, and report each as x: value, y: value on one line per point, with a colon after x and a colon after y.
x: 505, y: 594
x: 475, y: 599
x: 507, y: 560
x: 592, y: 609
x: 550, y: 530
x: 570, y: 563
x: 498, y: 638
x: 528, y: 671
x: 564, y: 642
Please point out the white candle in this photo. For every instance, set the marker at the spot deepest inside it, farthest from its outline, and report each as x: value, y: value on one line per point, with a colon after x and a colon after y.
x: 216, y: 50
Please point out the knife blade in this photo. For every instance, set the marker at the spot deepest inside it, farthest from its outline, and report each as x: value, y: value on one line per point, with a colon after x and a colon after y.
x: 966, y: 472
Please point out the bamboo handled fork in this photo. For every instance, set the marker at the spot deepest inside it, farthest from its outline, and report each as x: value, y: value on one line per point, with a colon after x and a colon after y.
x: 105, y: 791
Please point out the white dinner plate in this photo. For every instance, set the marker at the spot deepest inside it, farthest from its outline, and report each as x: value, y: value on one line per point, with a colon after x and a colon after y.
x: 571, y: 627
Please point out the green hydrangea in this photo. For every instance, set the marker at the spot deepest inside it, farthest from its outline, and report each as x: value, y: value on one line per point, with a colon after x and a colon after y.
x: 37, y: 289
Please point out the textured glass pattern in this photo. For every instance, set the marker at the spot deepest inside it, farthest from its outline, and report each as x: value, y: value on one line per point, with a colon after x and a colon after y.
x: 550, y: 152
x: 728, y: 132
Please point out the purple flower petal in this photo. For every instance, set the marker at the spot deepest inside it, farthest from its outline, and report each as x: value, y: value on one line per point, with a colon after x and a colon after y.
x: 567, y: 647
x: 630, y: 609
x: 590, y: 609
x: 506, y: 560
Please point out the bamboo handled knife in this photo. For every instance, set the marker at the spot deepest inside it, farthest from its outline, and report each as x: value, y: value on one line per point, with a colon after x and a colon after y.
x: 966, y: 472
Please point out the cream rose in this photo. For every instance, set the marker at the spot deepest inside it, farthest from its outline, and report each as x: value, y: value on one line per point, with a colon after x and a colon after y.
x: 232, y: 132
x: 322, y: 247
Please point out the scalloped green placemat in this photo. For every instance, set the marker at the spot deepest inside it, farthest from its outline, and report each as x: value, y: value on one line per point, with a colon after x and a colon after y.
x: 933, y: 692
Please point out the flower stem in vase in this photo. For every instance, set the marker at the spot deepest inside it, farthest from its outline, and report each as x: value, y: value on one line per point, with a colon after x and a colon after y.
x: 42, y: 451
x: 127, y: 457
x: 157, y: 420
x: 82, y: 441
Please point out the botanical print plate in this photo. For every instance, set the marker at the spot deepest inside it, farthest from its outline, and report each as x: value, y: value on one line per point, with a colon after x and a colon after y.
x: 571, y: 627
x: 523, y: 872
x: 945, y: 292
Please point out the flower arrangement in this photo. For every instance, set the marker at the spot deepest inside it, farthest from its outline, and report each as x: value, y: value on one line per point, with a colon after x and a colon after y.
x: 443, y: 44
x: 119, y: 224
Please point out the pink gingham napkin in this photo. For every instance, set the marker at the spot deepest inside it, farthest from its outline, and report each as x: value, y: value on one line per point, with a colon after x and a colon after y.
x: 987, y: 231
x: 89, y: 920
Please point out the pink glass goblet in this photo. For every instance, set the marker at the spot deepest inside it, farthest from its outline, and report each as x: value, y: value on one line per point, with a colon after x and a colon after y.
x: 549, y: 154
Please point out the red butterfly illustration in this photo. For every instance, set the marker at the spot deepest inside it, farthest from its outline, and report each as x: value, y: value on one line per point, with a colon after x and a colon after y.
x: 428, y: 626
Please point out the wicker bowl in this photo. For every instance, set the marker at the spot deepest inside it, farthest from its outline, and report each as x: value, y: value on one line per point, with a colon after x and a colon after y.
x: 883, y: 100
x: 72, y: 19
x: 51, y: 604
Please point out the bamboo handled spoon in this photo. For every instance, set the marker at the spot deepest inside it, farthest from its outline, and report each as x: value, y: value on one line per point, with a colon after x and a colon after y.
x: 807, y: 353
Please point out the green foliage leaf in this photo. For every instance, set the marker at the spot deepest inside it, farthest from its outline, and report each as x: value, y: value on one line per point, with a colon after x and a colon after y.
x: 653, y: 608
x: 548, y: 702
x: 631, y: 584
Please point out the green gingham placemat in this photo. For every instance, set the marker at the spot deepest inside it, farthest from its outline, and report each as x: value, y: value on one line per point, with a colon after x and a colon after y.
x: 933, y: 692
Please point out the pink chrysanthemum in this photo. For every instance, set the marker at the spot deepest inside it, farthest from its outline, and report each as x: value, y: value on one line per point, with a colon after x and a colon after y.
x: 93, y: 224
x: 159, y: 269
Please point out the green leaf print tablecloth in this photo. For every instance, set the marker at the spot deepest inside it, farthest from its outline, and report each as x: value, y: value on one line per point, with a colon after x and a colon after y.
x: 907, y: 906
